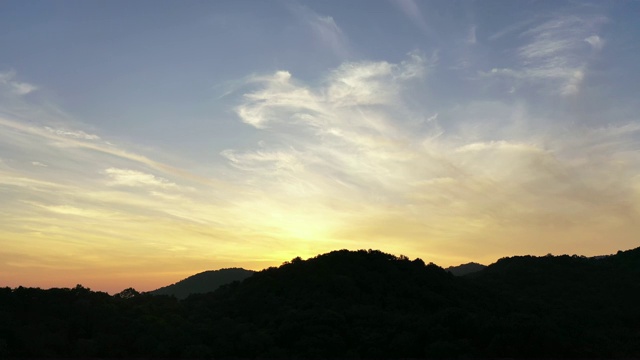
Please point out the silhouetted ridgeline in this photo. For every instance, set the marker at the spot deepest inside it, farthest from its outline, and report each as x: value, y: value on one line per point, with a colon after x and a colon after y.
x: 203, y: 282
x: 349, y: 304
x: 465, y: 269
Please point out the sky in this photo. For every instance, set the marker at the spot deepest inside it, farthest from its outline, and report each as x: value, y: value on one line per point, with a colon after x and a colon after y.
x: 143, y: 141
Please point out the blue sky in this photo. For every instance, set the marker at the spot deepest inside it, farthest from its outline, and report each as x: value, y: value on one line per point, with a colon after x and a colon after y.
x: 179, y: 136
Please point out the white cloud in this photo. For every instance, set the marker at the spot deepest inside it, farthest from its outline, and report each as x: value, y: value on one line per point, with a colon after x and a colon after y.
x: 497, y: 145
x: 133, y: 178
x: 280, y: 93
x: 265, y: 160
x: 38, y: 163
x: 49, y: 137
x: 324, y: 29
x: 348, y: 144
x: 555, y: 57
x: 360, y: 84
x: 417, y: 64
x: 327, y: 32
x: 353, y: 84
x: 325, y: 127
x: 21, y: 88
x: 76, y: 211
x: 595, y: 41
x: 78, y: 134
x: 6, y: 76
x: 514, y: 28
x: 572, y: 85
x: 16, y: 87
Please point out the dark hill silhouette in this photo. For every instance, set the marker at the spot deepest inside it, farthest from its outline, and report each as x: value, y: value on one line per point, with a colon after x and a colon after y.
x: 465, y: 269
x: 349, y: 304
x: 344, y: 303
x: 568, y: 305
x: 203, y: 282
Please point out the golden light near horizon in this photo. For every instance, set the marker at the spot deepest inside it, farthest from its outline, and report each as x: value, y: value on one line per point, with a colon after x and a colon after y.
x: 447, y: 151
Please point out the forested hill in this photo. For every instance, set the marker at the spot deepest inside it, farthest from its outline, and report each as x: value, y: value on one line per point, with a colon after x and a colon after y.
x: 349, y: 304
x: 203, y: 282
x: 465, y: 269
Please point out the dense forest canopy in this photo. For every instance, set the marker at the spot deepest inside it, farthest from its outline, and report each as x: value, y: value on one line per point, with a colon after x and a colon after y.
x: 348, y: 304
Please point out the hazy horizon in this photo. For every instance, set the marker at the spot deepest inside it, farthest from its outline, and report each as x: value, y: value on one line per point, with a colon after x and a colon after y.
x: 142, y: 142
x: 172, y: 280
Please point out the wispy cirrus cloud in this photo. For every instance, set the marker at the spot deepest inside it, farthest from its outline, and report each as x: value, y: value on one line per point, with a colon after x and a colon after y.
x: 82, y: 141
x: 16, y: 87
x: 513, y: 28
x: 361, y: 156
x: 329, y: 33
x: 556, y: 55
x: 78, y: 134
x: 90, y: 201
x: 351, y: 84
x: 412, y: 11
x: 595, y: 41
x: 324, y: 30
x: 350, y: 144
x: 134, y: 178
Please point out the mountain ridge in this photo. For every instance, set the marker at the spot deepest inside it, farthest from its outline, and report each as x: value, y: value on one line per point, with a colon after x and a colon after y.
x: 465, y: 269
x: 349, y: 304
x: 203, y: 282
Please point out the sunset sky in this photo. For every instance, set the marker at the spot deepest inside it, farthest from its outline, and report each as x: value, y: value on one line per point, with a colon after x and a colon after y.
x: 145, y: 141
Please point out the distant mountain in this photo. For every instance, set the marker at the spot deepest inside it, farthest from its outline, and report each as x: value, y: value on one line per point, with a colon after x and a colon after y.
x: 203, y: 282
x: 465, y: 269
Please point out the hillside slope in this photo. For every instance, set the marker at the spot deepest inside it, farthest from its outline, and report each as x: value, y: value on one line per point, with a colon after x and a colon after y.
x: 203, y: 282
x: 465, y: 269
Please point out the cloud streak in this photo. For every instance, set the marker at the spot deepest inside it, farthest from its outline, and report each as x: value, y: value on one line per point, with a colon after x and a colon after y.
x: 412, y: 11
x: 127, y: 177
x: 74, y: 134
x: 555, y: 57
x: 16, y: 87
x: 324, y: 29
